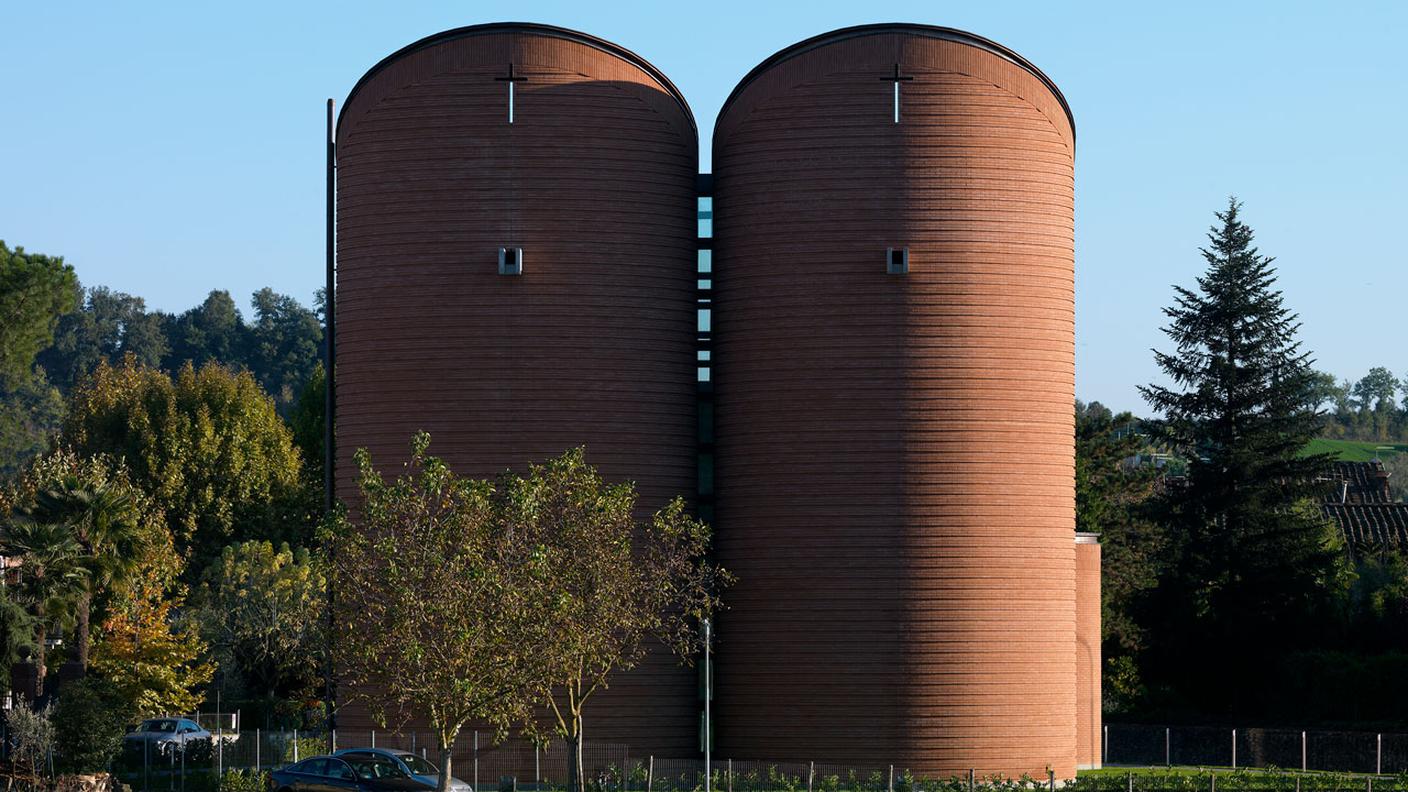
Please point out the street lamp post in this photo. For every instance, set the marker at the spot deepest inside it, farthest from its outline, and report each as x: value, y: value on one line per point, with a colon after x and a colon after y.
x: 708, y: 694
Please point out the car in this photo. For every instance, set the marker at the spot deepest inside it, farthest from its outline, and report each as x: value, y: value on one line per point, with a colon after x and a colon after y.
x: 165, y: 734
x: 343, y: 774
x: 414, y: 766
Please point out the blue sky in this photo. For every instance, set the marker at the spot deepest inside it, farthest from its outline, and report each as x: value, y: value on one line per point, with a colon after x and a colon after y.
x: 169, y: 149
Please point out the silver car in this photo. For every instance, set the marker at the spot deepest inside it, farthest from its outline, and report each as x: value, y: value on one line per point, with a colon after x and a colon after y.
x: 166, y: 734
x: 420, y: 769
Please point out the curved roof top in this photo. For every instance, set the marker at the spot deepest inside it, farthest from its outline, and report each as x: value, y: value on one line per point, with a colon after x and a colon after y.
x: 531, y: 28
x: 909, y: 28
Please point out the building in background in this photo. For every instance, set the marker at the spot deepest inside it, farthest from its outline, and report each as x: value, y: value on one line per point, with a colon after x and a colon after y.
x: 862, y: 364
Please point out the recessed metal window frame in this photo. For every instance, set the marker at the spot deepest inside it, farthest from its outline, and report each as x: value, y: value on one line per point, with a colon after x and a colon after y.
x: 510, y: 261
x: 897, y: 264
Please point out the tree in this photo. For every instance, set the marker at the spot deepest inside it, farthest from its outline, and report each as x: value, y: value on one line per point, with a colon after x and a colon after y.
x: 34, y: 291
x: 90, y: 720
x: 31, y: 411
x: 207, y: 446
x: 1375, y: 395
x: 52, y: 575
x: 425, y: 567
x: 106, y: 326
x: 265, y: 608
x: 212, y: 332
x: 16, y: 634
x: 1251, y: 555
x: 1113, y: 499
x: 154, y: 664
x: 306, y: 424
x: 285, y: 344
x: 616, y: 582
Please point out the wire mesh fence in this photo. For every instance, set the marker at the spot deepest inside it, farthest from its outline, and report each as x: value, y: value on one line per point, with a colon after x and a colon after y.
x: 515, y: 764
x: 1376, y: 753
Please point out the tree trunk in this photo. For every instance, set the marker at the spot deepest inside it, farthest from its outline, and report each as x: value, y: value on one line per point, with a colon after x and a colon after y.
x: 80, y: 629
x: 446, y: 767
x: 41, y: 635
x: 576, y: 775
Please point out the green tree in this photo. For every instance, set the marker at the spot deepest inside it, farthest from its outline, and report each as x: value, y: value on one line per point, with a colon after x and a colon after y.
x: 16, y: 634
x: 1251, y: 557
x: 285, y: 341
x: 207, y: 446
x: 616, y: 584
x: 427, y: 569
x: 31, y: 412
x: 212, y: 332
x: 52, y: 575
x: 90, y: 720
x: 1113, y: 499
x: 35, y: 290
x: 107, y: 326
x: 264, y: 609
x: 1375, y: 397
x: 306, y: 423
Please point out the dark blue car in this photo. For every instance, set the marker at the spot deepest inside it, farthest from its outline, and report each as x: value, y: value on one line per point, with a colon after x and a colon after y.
x: 339, y: 774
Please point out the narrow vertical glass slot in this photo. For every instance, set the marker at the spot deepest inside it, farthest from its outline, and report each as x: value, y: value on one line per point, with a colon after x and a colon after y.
x: 706, y: 217
x: 510, y: 102
x: 897, y: 101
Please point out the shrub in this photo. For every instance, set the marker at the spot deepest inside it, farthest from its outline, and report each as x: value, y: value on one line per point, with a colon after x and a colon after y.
x: 31, y: 735
x: 244, y: 781
x: 89, y: 721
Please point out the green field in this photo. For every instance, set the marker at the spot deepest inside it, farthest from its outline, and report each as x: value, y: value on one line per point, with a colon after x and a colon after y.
x: 1355, y: 450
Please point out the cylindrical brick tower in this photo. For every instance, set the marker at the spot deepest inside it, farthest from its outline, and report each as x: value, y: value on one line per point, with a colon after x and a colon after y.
x: 453, y: 155
x: 1088, y: 715
x: 894, y: 377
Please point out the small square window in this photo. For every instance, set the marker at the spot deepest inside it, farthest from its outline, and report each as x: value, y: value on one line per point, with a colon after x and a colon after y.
x: 510, y: 261
x: 897, y: 261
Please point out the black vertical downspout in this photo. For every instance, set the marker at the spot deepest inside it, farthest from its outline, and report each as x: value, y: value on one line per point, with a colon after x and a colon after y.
x: 329, y: 408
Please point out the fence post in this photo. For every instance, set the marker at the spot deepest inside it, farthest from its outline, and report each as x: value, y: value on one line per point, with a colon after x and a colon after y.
x: 1302, y: 752
x: 1168, y: 754
x: 972, y: 779
x: 183, y: 768
x: 1234, y: 749
x: 171, y: 772
x: 1213, y: 782
x: 219, y: 751
x: 626, y: 770
x: 1131, y: 781
x: 649, y: 773
x: 476, y: 760
x: 1107, y: 744
x: 1051, y: 779
x: 295, y: 745
x: 1379, y: 754
x: 333, y: 739
x: 257, y: 764
x: 537, y: 769
x: 730, y: 775
x: 892, y: 778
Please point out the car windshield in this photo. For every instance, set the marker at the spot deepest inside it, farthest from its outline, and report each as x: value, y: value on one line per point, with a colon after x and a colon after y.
x: 371, y: 767
x: 418, y: 765
x: 158, y: 726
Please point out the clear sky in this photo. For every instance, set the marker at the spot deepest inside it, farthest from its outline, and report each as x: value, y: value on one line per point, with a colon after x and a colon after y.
x: 169, y: 149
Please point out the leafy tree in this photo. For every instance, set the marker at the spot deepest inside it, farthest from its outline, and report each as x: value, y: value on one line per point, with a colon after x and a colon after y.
x: 285, y: 343
x: 106, y: 326
x: 615, y: 583
x: 90, y: 720
x: 52, y: 575
x: 31, y: 411
x: 207, y: 446
x: 30, y: 733
x: 1374, y: 394
x: 212, y: 332
x: 1113, y: 499
x: 306, y: 423
x: 1251, y: 556
x: 34, y: 291
x: 154, y: 664
x: 16, y: 634
x: 427, y: 569
x: 265, y: 608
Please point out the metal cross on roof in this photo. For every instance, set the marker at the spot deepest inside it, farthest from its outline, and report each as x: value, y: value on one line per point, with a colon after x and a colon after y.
x: 897, y: 78
x: 510, y: 79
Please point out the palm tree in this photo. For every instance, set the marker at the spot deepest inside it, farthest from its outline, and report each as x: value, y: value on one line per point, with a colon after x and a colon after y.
x: 104, y: 523
x: 52, y: 574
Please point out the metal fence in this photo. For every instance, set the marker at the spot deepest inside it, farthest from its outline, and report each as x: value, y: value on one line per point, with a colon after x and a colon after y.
x: 1377, y: 753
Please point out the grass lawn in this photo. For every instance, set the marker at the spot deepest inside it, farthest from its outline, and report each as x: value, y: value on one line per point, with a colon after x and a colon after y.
x: 1355, y: 450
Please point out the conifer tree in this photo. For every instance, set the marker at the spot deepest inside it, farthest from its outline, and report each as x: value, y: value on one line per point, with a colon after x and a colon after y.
x: 1251, y: 557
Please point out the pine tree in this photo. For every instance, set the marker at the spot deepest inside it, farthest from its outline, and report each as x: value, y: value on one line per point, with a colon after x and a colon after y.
x: 1251, y: 557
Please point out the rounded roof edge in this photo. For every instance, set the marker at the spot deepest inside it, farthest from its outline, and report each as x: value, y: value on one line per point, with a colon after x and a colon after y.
x: 911, y: 28
x: 534, y: 28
